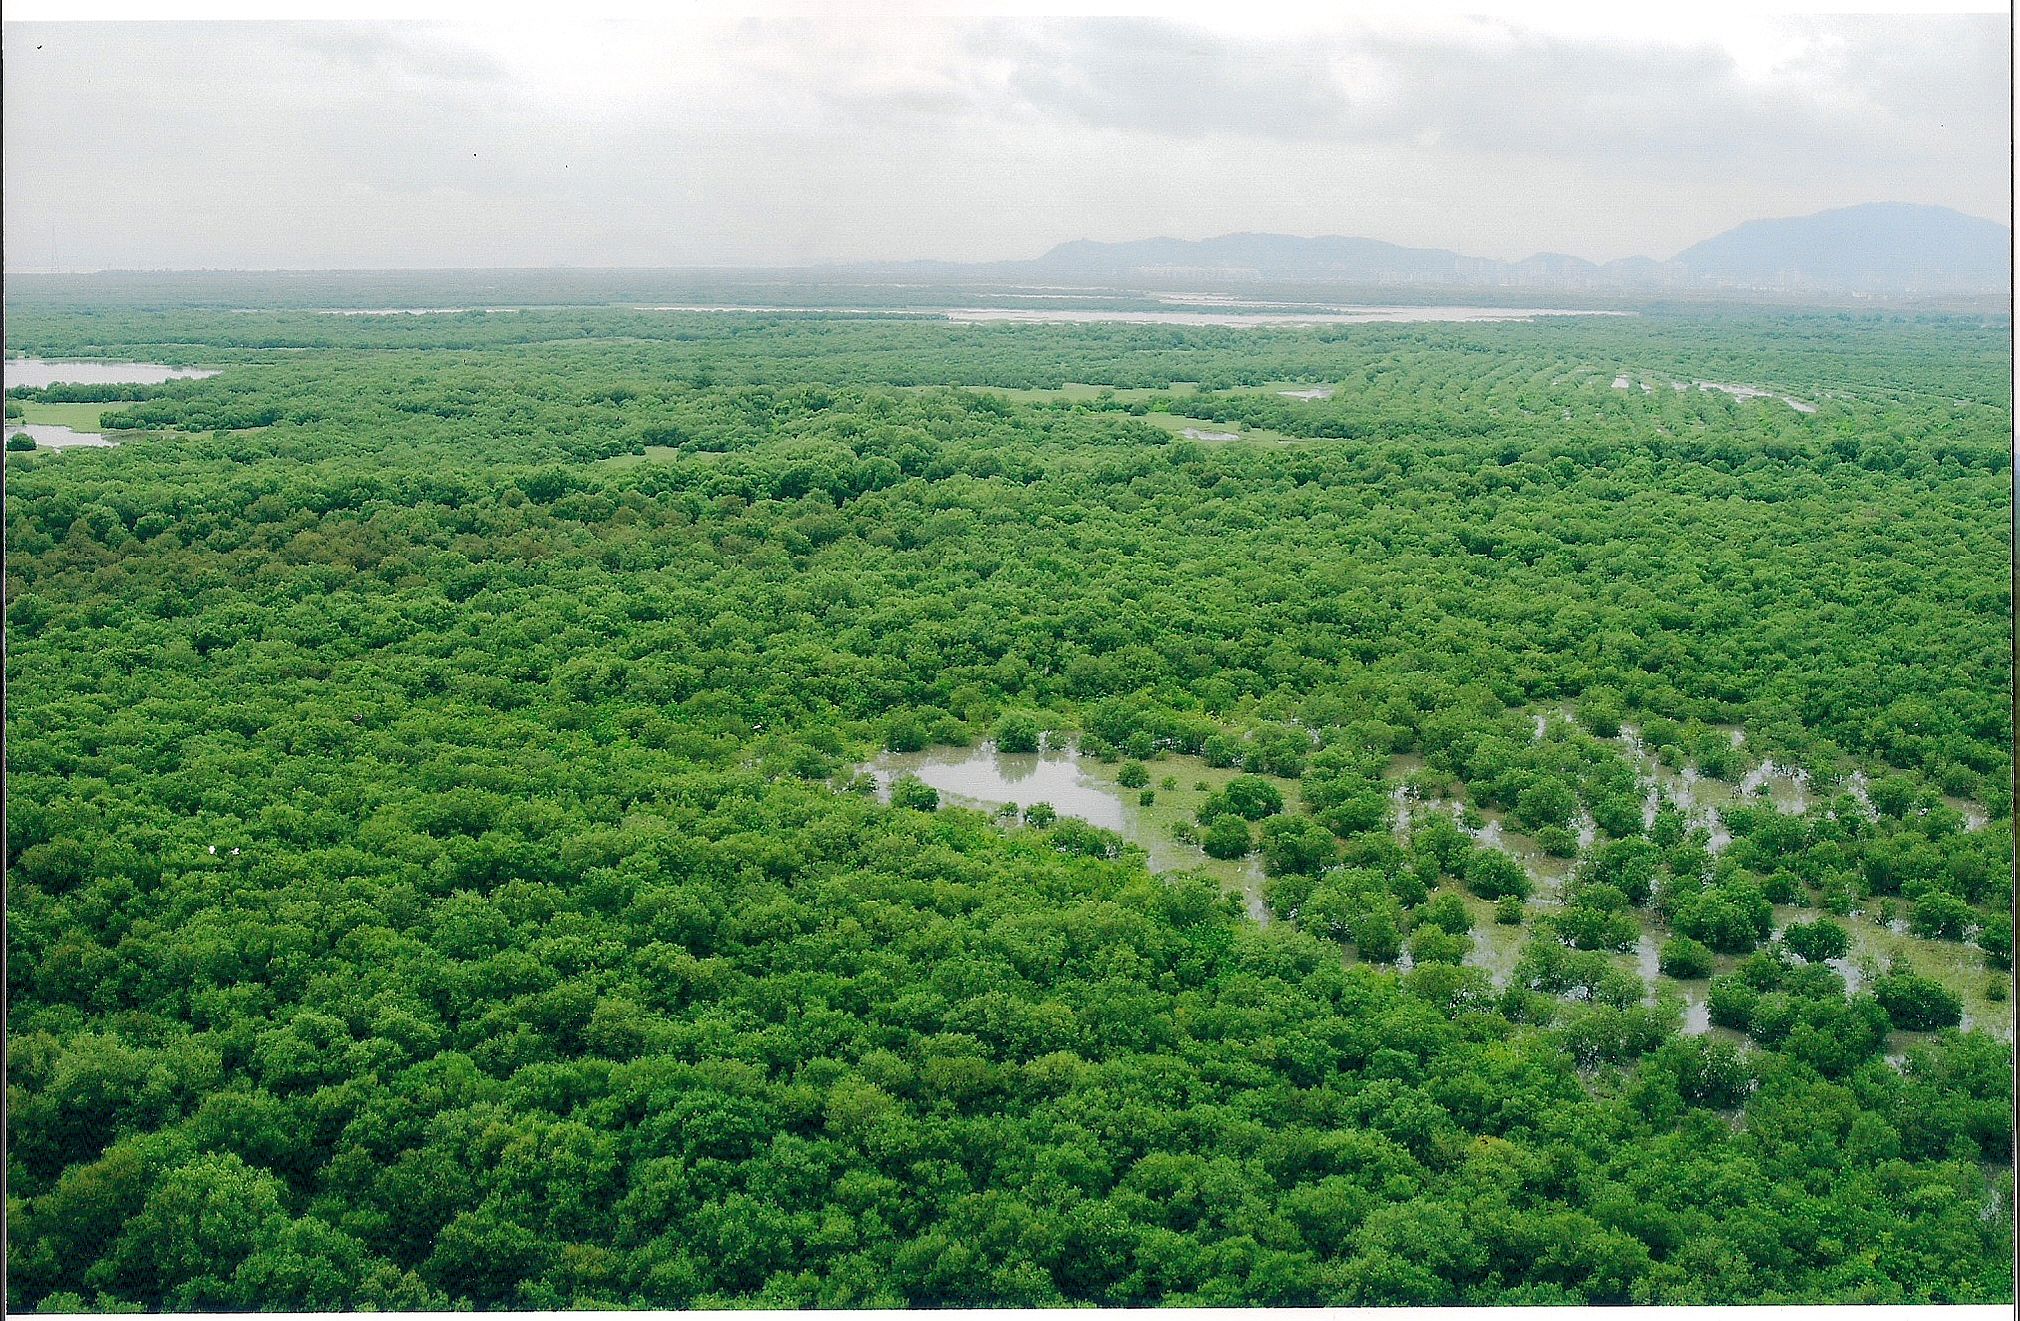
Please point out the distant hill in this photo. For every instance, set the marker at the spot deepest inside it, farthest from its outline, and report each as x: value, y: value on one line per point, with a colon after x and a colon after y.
x: 1883, y: 249
x: 1889, y: 246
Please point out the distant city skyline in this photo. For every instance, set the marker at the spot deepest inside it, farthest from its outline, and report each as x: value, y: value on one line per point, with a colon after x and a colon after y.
x: 792, y: 141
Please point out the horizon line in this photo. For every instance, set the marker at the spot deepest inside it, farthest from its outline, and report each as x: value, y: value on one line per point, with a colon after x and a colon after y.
x: 851, y: 263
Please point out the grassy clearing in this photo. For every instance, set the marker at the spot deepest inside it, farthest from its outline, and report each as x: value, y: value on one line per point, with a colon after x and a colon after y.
x: 1078, y: 392
x: 78, y: 417
x: 1178, y: 426
x: 653, y: 454
x: 1274, y: 387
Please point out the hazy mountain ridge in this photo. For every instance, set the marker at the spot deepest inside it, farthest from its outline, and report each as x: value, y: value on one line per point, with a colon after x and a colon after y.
x: 1926, y: 256
x: 1878, y: 248
x: 1882, y: 244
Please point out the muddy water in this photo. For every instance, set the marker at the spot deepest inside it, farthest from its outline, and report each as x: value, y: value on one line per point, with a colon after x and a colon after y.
x: 40, y: 372
x: 990, y: 778
x: 1958, y: 966
x: 1784, y: 786
x: 1745, y: 392
x: 1700, y: 798
x: 1974, y: 815
x: 49, y: 436
x: 1083, y: 787
x: 1495, y: 947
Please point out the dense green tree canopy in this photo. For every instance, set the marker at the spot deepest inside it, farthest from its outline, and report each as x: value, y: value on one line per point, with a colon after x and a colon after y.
x: 438, y: 873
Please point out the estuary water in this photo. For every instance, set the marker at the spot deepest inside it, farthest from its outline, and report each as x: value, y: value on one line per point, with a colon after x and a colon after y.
x: 35, y: 373
x: 49, y: 436
x: 38, y: 372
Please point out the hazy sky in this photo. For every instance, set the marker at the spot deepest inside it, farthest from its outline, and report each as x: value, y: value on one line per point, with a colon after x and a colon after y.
x: 789, y: 140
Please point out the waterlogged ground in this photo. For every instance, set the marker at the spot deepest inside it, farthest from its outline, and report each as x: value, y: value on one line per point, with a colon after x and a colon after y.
x: 78, y: 417
x: 1186, y: 428
x: 50, y: 437
x: 983, y: 777
x: 1628, y: 381
x: 1876, y: 939
x: 1875, y: 945
x: 652, y: 454
x: 66, y: 426
x: 1199, y: 428
x: 63, y: 426
x: 1076, y: 392
x: 1083, y: 787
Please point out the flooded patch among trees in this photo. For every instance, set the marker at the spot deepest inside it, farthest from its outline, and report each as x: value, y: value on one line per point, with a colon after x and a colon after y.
x: 1166, y: 825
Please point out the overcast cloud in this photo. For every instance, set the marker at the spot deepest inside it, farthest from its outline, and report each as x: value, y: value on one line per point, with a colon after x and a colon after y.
x: 190, y: 145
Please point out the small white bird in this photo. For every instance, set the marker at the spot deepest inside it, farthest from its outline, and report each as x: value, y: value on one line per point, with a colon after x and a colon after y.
x: 234, y: 853
x: 213, y: 848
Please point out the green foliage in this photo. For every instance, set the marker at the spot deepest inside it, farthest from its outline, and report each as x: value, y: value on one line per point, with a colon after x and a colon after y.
x: 1996, y: 939
x: 1251, y: 797
x: 905, y: 732
x: 1546, y: 802
x: 1601, y: 711
x: 1628, y: 865
x: 1228, y: 836
x: 1296, y: 844
x: 1817, y: 941
x: 1434, y: 944
x: 1917, y: 1004
x: 1491, y: 874
x: 1596, y: 917
x: 1732, y: 1002
x: 1940, y: 916
x: 439, y: 875
x: 1731, y: 918
x: 1447, y: 911
x: 1558, y: 841
x: 1548, y: 966
x: 910, y: 791
x: 1017, y: 732
x: 1685, y: 959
